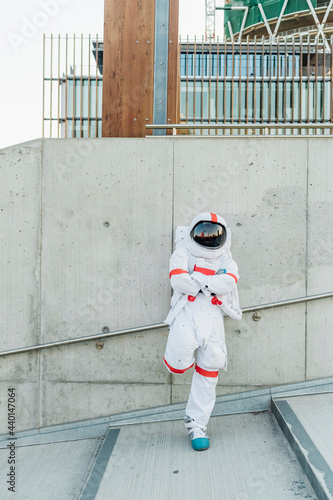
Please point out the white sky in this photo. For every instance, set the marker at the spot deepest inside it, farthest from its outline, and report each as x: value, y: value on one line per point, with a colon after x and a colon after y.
x: 22, y: 24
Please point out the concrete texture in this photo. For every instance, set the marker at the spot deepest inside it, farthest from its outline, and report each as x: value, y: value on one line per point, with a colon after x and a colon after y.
x: 50, y: 472
x: 86, y: 234
x: 315, y: 413
x: 20, y: 226
x: 135, y: 360
x: 90, y: 271
x: 68, y: 402
x: 249, y: 459
x: 320, y: 267
x: 307, y: 424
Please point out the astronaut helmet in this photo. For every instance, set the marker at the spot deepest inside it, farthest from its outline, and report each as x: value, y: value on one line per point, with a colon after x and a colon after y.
x: 209, y: 234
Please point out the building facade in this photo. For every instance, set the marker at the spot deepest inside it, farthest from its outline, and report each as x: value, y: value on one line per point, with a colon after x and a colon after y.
x: 285, y: 80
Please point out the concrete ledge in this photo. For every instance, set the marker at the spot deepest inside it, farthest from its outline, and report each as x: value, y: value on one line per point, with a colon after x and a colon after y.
x: 311, y: 460
x: 244, y: 402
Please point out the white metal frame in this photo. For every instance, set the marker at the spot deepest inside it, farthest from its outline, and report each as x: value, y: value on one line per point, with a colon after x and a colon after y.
x: 210, y: 7
x: 320, y: 26
x: 236, y: 7
x: 263, y: 15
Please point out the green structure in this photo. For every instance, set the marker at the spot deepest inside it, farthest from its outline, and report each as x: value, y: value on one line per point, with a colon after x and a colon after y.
x: 273, y: 17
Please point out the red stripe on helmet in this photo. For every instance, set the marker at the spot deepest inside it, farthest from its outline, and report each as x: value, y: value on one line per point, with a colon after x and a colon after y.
x: 206, y: 373
x: 214, y: 217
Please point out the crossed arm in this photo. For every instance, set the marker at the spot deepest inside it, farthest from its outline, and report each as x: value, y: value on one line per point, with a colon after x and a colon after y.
x: 203, y: 277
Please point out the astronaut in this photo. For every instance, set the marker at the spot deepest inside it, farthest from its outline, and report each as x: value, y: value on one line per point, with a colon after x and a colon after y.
x: 204, y: 278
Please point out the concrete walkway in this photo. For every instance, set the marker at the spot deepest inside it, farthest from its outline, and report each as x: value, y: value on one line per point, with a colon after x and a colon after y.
x: 281, y: 451
x: 249, y: 458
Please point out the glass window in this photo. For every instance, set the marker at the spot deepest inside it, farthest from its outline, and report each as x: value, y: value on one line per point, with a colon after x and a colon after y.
x: 220, y: 103
x: 243, y: 101
x: 273, y: 101
x: 228, y: 102
x: 183, y: 100
x: 213, y: 101
x: 328, y: 101
x: 190, y: 60
x: 304, y: 101
x: 288, y: 103
x: 198, y: 95
x: 311, y: 101
x: 250, y: 103
x: 265, y: 100
x: 296, y: 91
x: 258, y: 100
x: 205, y: 101
x: 183, y: 64
x: 190, y: 100
x: 320, y: 101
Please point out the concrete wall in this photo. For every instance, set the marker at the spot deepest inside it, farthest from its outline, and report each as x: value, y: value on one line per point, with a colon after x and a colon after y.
x: 85, y: 240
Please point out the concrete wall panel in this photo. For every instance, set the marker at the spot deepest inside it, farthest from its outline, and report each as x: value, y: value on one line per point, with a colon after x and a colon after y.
x: 106, y: 235
x: 320, y: 262
x: 20, y: 213
x: 20, y: 187
x: 126, y: 359
x: 66, y: 273
x: 259, y: 185
x: 75, y: 401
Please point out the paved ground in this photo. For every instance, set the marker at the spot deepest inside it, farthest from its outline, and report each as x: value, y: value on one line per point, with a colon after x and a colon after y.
x: 249, y: 458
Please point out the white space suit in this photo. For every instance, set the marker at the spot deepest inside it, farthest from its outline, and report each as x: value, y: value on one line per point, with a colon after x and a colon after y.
x: 204, y: 278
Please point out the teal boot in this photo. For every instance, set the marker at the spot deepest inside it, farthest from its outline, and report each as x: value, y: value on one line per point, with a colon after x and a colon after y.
x: 199, y: 439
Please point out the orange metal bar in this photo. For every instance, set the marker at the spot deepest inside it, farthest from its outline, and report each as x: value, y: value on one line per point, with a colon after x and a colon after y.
x: 58, y: 125
x: 89, y: 90
x: 43, y: 106
x: 194, y: 77
x: 73, y: 131
x: 66, y: 89
x: 51, y: 85
x: 96, y: 122
x: 81, y: 84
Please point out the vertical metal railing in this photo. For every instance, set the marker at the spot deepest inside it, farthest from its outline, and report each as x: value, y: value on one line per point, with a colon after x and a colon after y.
x: 72, y: 86
x: 285, y: 80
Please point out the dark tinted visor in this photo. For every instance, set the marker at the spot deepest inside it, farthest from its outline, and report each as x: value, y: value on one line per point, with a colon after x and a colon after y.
x: 209, y: 234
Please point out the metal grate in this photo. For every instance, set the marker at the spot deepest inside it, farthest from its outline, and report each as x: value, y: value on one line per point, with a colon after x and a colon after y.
x: 72, y: 86
x: 256, y: 81
x: 224, y: 82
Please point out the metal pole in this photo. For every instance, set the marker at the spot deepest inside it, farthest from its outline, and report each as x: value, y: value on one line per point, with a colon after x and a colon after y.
x: 262, y: 12
x: 277, y: 26
x: 257, y: 125
x: 66, y: 88
x: 58, y: 85
x: 43, y: 112
x: 51, y: 83
x: 243, y: 23
x: 158, y: 326
x: 96, y: 79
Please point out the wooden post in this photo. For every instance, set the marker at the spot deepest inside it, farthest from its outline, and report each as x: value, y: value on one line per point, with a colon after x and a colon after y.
x: 128, y: 66
x: 173, y: 112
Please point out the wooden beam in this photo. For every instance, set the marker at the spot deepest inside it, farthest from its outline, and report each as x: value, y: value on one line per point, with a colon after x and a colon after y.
x: 128, y: 67
x: 173, y: 112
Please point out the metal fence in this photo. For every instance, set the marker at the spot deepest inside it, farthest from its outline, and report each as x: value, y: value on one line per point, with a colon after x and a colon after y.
x: 72, y: 86
x: 283, y: 81
x: 260, y: 81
